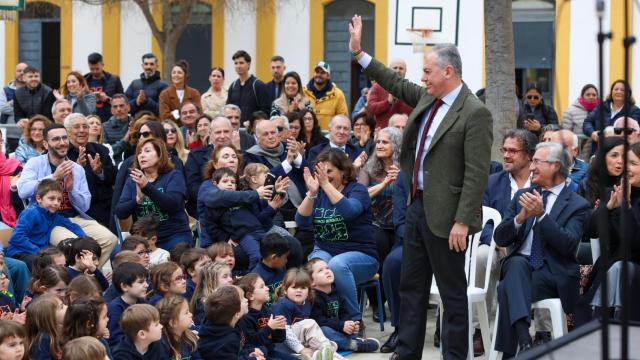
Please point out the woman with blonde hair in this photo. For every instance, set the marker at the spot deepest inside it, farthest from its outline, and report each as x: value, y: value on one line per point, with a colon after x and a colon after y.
x: 32, y: 142
x: 95, y: 129
x: 175, y: 140
x: 76, y: 90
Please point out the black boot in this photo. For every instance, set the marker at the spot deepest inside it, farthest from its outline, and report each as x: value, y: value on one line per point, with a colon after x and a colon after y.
x: 390, y: 344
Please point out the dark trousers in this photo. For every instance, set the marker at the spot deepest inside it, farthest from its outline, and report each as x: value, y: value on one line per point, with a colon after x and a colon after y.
x: 425, y: 255
x: 385, y: 238
x: 391, y: 281
x: 519, y: 287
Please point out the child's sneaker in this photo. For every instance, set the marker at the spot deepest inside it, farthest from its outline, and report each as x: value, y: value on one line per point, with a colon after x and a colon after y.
x: 326, y: 353
x: 367, y: 345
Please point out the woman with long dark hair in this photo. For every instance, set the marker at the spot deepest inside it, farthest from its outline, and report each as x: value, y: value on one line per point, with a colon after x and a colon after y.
x: 590, y: 186
x: 310, y: 133
x: 536, y: 113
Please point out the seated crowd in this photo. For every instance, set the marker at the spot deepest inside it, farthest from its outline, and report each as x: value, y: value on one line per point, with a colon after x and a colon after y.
x: 207, y: 187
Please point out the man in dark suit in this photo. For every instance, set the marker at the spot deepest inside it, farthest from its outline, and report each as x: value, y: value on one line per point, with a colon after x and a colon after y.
x: 339, y: 131
x: 542, y: 229
x: 445, y: 156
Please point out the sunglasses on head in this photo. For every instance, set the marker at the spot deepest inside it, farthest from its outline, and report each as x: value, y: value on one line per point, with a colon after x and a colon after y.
x: 144, y: 134
x: 533, y: 97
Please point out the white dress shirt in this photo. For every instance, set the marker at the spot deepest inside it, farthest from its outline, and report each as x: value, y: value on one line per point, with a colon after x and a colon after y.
x: 525, y: 249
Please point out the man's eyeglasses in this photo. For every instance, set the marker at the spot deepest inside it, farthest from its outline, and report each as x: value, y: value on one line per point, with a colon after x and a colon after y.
x: 144, y: 134
x: 58, y: 139
x: 537, y: 162
x: 628, y: 131
x: 509, y: 151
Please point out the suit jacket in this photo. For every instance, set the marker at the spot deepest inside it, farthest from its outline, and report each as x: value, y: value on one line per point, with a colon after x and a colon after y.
x: 497, y: 196
x: 560, y: 230
x: 455, y: 167
x: 316, y: 150
x: 170, y: 101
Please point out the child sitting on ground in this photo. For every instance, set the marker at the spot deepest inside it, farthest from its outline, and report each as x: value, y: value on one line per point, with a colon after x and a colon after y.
x: 143, y: 331
x: 33, y: 228
x: 330, y: 312
x: 85, y: 347
x: 260, y: 327
x: 13, y: 340
x: 147, y: 227
x: 44, y: 323
x: 130, y: 280
x: 210, y: 277
x: 274, y: 250
x: 219, y: 339
x: 192, y: 261
x: 124, y: 256
x: 87, y: 317
x: 84, y: 258
x: 167, y: 278
x: 304, y: 336
x: 222, y: 252
x: 176, y: 319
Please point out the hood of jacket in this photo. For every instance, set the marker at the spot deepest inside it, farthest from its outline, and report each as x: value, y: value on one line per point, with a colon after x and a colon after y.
x: 152, y: 78
x: 318, y: 94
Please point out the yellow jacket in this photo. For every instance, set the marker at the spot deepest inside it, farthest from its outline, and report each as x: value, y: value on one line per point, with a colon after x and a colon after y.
x: 332, y: 103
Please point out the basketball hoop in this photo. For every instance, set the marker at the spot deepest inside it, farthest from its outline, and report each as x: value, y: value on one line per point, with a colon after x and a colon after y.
x: 419, y: 38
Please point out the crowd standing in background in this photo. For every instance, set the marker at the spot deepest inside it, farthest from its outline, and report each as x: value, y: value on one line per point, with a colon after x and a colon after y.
x: 206, y: 189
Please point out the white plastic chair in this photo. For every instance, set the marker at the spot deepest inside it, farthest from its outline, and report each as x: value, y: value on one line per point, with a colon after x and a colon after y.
x: 291, y: 227
x: 476, y: 295
x: 558, y: 323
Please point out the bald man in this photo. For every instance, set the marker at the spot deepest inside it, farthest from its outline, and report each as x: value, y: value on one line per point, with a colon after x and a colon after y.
x: 633, y: 129
x: 570, y: 141
x: 383, y: 105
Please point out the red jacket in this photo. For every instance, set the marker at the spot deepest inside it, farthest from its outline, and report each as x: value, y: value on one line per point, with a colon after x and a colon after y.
x: 378, y: 106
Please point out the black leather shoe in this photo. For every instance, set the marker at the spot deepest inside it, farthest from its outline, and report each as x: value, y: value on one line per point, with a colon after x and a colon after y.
x: 376, y: 315
x: 524, y: 347
x: 394, y: 356
x: 391, y: 343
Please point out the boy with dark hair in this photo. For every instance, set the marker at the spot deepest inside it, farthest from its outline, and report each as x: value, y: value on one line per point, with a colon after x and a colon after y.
x: 124, y: 256
x: 141, y: 325
x: 274, y: 249
x: 219, y: 339
x: 140, y: 246
x: 33, y: 228
x: 147, y: 227
x: 83, y: 259
x: 130, y: 280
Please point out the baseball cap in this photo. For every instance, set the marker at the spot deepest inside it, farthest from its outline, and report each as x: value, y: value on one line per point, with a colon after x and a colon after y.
x: 324, y: 66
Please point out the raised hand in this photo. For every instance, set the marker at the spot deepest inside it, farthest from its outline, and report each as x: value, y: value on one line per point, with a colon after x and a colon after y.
x: 85, y: 263
x: 321, y: 174
x: 292, y: 149
x: 96, y: 164
x: 276, y: 202
x: 57, y: 94
x: 311, y: 182
x: 265, y: 192
x: 139, y: 178
x: 616, y: 197
x: 355, y: 30
x: 282, y: 184
x: 140, y: 99
x: 360, y: 160
x: 82, y: 156
x: 392, y: 174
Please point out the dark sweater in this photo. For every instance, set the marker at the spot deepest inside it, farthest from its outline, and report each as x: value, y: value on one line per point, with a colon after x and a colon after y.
x: 186, y: 352
x: 115, y: 309
x: 101, y: 187
x: 109, y: 84
x: 272, y: 278
x: 196, y: 160
x: 250, y: 97
x: 220, y: 342
x: 329, y: 309
x: 113, y: 132
x: 290, y: 310
x: 345, y: 226
x: 164, y: 198
x: 152, y: 87
x: 41, y: 350
x: 126, y: 350
x: 257, y: 334
x: 30, y: 102
x: 98, y: 275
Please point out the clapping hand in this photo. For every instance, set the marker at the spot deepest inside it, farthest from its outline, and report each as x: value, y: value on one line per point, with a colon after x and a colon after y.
x: 615, y: 200
x: 276, y: 202
x: 82, y: 156
x: 311, y: 182
x: 265, y: 192
x: 139, y: 178
x: 292, y: 149
x: 57, y: 94
x: 321, y: 174
x: 96, y: 164
x: 360, y: 160
x: 531, y: 203
x: 392, y: 175
x: 282, y: 184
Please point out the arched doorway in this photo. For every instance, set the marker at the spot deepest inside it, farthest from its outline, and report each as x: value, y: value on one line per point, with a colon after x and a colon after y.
x: 195, y: 46
x: 39, y: 40
x: 344, y: 70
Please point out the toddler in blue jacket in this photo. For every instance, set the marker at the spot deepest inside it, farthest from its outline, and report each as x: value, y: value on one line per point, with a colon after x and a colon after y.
x: 34, y: 226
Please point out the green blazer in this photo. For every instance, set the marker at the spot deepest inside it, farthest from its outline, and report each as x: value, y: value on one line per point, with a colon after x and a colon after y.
x: 456, y: 166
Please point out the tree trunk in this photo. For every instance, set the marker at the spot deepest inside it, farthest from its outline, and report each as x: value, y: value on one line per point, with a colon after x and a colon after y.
x: 169, y: 56
x: 500, y: 95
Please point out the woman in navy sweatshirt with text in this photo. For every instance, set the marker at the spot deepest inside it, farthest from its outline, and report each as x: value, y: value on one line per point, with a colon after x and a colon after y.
x: 339, y: 209
x: 154, y: 187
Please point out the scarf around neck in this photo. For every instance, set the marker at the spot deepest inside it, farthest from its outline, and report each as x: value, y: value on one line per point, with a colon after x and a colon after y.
x: 588, y: 105
x: 272, y: 155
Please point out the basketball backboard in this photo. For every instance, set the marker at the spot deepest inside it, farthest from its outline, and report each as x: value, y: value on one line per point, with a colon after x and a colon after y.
x: 441, y: 16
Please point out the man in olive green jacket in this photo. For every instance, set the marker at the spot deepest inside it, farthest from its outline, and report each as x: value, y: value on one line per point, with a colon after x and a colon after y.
x: 445, y: 155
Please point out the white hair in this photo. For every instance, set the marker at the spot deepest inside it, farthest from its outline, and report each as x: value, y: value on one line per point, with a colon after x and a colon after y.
x: 59, y: 101
x: 71, y: 117
x: 339, y: 116
x: 394, y: 117
x: 285, y: 120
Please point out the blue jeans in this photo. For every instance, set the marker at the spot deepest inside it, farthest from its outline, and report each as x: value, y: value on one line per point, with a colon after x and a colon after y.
x: 343, y: 340
x: 250, y: 243
x: 349, y: 269
x: 391, y: 282
x: 175, y: 239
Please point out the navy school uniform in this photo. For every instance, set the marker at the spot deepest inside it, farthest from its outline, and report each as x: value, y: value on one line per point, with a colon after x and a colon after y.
x: 191, y: 287
x: 40, y: 350
x: 105, y: 343
x: 254, y: 326
x: 290, y: 310
x: 98, y: 275
x: 221, y: 342
x: 110, y: 294
x: 154, y: 299
x: 329, y: 309
x: 186, y: 352
x: 115, y: 310
x: 126, y: 350
x: 272, y: 278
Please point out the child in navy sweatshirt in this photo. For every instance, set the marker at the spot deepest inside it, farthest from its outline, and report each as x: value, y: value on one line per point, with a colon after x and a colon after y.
x: 33, y: 228
x: 141, y: 325
x: 130, y: 280
x: 242, y: 215
x: 274, y: 250
x: 260, y: 327
x: 84, y: 258
x: 219, y: 339
x: 330, y: 312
